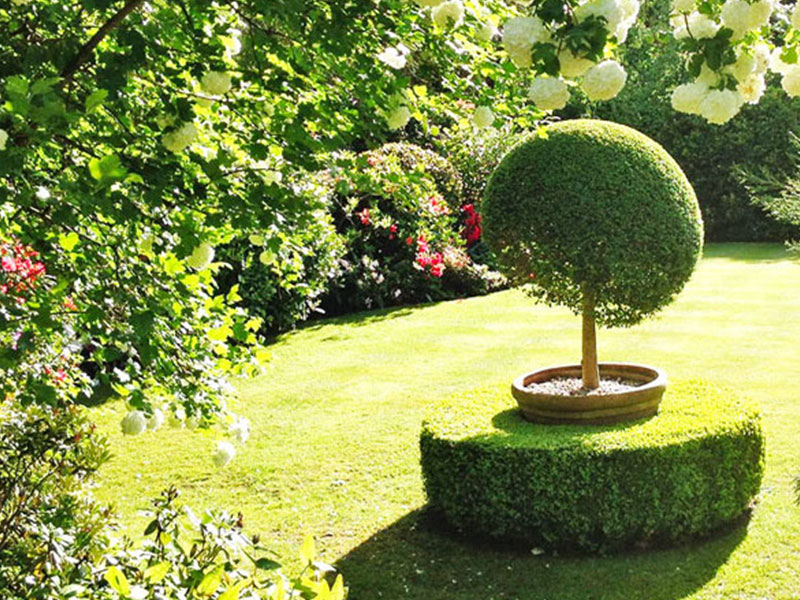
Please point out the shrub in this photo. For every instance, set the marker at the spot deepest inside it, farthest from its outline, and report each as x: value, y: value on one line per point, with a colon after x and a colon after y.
x: 400, y: 233
x: 51, y: 533
x: 691, y: 469
x: 284, y: 281
x: 594, y: 207
x: 599, y: 219
x: 760, y: 136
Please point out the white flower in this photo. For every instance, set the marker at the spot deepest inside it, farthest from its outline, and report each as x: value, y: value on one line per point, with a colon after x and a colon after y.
x: 720, y: 106
x: 791, y: 80
x: 572, y: 66
x: 483, y: 117
x: 752, y: 88
x: 201, y: 256
x: 486, y: 32
x: 610, y: 10
x: 735, y: 15
x: 761, y: 53
x: 223, y: 454
x: 428, y: 3
x: 795, y: 18
x: 707, y: 76
x: 683, y: 6
x: 448, y: 14
x: 399, y: 117
x: 741, y: 69
x: 630, y: 10
x: 393, y: 57
x: 549, y: 93
x: 519, y: 36
x: 179, y: 139
x: 156, y: 420
x: 759, y: 14
x: 3, y: 139
x: 240, y: 430
x: 686, y: 98
x: 42, y: 193
x: 134, y: 423
x: 700, y: 27
x: 604, y: 80
x: 216, y: 83
x: 776, y: 64
x: 177, y: 418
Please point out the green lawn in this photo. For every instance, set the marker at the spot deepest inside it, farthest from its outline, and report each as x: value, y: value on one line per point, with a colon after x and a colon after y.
x: 336, y: 419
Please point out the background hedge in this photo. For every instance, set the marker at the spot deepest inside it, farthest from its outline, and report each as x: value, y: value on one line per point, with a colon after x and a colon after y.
x: 691, y: 469
x: 711, y: 155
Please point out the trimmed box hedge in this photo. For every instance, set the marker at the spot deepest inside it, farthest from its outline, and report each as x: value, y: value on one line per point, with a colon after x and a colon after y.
x: 691, y: 469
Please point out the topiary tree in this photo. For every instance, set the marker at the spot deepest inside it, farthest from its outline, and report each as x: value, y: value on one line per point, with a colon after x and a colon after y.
x: 598, y: 218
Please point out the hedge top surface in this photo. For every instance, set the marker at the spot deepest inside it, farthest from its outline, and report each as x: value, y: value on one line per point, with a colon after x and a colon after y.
x: 489, y: 416
x: 596, y: 207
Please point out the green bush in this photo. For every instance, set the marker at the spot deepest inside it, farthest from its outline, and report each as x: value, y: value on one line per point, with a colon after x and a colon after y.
x: 710, y: 155
x: 594, y: 209
x: 693, y: 468
x: 287, y: 286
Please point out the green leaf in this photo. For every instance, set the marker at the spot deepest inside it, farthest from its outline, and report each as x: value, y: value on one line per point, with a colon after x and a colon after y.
x: 68, y: 241
x: 157, y: 572
x: 308, y: 550
x: 118, y: 582
x: 267, y: 564
x: 95, y: 99
x: 211, y: 582
x: 107, y: 169
x: 17, y: 85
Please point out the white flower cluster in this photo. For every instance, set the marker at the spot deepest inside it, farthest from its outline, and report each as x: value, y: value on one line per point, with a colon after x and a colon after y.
x: 201, y: 256
x: 719, y: 106
x: 216, y: 83
x: 620, y: 15
x: 483, y: 117
x: 179, y: 139
x: 448, y: 14
x: 739, y: 16
x: 136, y: 422
x: 519, y: 36
x: 3, y: 139
x: 394, y: 56
x: 602, y: 81
x: 445, y: 13
x: 398, y: 118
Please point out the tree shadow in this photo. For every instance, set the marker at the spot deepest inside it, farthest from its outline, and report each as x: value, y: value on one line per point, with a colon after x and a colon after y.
x: 419, y: 558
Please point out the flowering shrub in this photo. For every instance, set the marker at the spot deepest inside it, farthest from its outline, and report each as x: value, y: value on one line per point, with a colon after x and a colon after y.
x: 397, y: 210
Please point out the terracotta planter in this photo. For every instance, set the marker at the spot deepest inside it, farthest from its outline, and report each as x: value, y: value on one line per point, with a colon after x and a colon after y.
x: 595, y: 409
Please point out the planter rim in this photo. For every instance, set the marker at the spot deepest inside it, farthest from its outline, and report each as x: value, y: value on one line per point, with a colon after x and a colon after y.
x: 638, y: 402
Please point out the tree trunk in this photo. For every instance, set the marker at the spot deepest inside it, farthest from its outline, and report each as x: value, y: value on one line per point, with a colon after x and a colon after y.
x: 589, y: 369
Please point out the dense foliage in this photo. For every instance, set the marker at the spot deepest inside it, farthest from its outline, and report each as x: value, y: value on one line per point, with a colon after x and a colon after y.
x: 594, y: 209
x: 759, y: 138
x: 694, y: 467
x: 397, y: 211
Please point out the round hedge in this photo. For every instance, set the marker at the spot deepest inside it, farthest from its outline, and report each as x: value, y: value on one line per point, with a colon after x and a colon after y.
x: 594, y: 207
x: 682, y: 474
x: 413, y: 157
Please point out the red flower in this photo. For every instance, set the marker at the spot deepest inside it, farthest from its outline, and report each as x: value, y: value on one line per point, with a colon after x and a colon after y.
x: 423, y: 260
x: 409, y: 241
x: 437, y: 270
x: 393, y: 231
x: 364, y: 216
x: 422, y: 244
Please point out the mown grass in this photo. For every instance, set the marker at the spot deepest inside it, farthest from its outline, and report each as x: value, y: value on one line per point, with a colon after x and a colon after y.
x: 336, y: 422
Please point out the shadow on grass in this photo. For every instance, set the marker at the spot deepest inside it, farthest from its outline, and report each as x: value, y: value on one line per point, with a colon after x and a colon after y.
x: 749, y: 252
x: 360, y: 319
x: 419, y: 559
